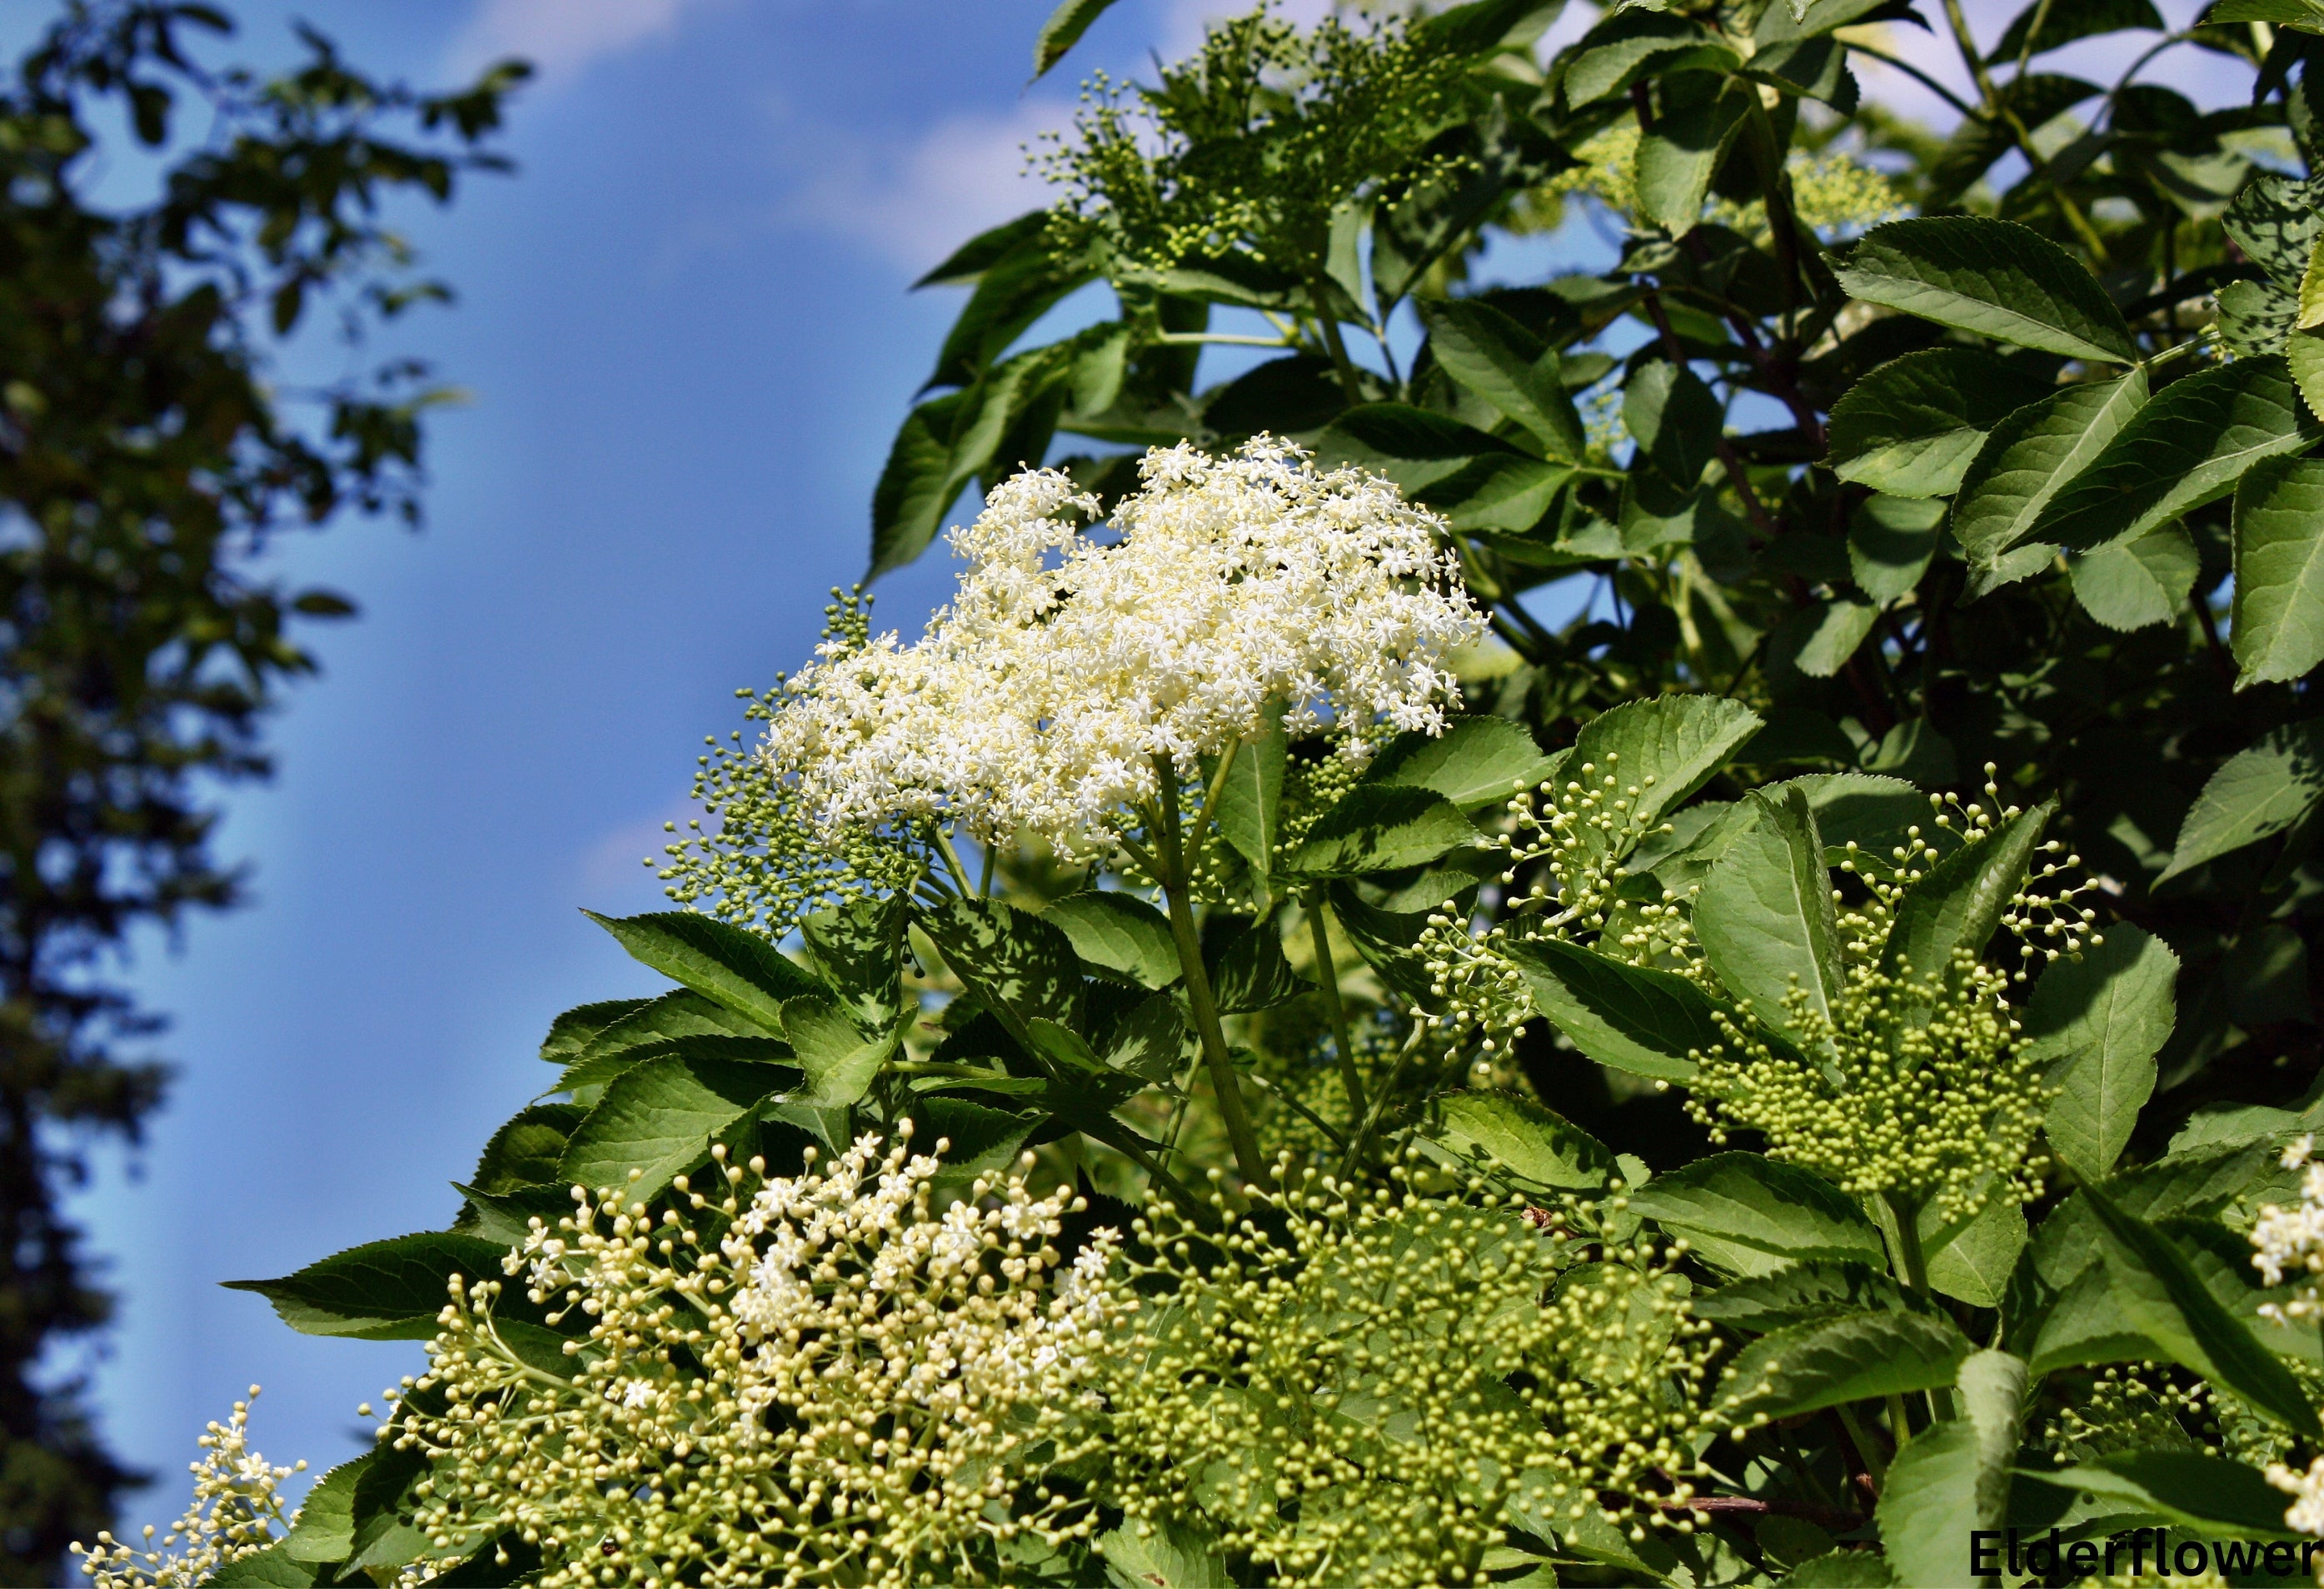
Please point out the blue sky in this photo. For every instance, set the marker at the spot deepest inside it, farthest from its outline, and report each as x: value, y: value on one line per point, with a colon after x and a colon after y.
x: 687, y: 334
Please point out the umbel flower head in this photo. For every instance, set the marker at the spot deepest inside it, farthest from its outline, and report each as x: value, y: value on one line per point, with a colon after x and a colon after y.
x: 1373, y: 1386
x: 1074, y: 671
x: 823, y: 1380
x: 236, y: 1510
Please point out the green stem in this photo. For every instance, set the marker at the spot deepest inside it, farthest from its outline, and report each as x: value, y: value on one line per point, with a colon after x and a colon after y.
x: 1327, y: 972
x: 1998, y: 110
x: 1911, y: 1267
x: 1171, y: 852
x: 1331, y: 340
x: 951, y: 861
x: 1379, y: 1102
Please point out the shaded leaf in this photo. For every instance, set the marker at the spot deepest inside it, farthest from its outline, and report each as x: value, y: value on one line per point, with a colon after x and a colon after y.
x: 1698, y: 118
x: 1476, y: 761
x: 1063, y: 29
x: 1890, y: 541
x: 1994, y: 278
x: 1953, y: 1479
x: 1764, y: 917
x: 2025, y: 460
x: 1537, y: 1143
x: 1957, y: 905
x: 1118, y: 935
x: 1247, y: 966
x: 1017, y: 966
x: 1799, y: 1293
x: 1508, y: 367
x: 839, y: 1056
x: 1631, y: 1017
x: 2133, y: 584
x: 1848, y: 1357
x: 1676, y: 418
x: 1912, y: 426
x: 1379, y: 830
x: 2278, y: 631
x: 2097, y: 1021
x: 2255, y: 794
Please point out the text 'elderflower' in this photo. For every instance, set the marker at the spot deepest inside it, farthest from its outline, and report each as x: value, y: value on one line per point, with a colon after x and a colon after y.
x: 1071, y: 667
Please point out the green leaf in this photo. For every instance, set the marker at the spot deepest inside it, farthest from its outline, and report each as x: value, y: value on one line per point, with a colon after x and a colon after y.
x: 660, y: 1118
x: 1953, y: 1479
x: 1974, y: 1261
x: 1750, y: 1215
x: 2024, y: 462
x: 1537, y: 1144
x: 2275, y: 219
x: 1764, y: 917
x: 1666, y: 749
x: 1848, y: 1357
x: 2278, y: 538
x: 1912, y: 426
x: 1676, y: 418
x: 1840, y: 1569
x: 1626, y: 45
x: 2304, y: 15
x: 971, y: 1139
x: 386, y: 1291
x: 1496, y: 492
x: 1700, y: 115
x: 1957, y: 904
x: 2209, y: 1494
x: 2186, y: 447
x: 1118, y: 935
x: 1828, y: 633
x: 1148, y: 1039
x: 1379, y: 830
x: 1631, y: 1017
x: 601, y: 1064
x: 918, y: 484
x: 525, y: 1151
x: 1994, y: 278
x: 2166, y: 1300
x: 1476, y: 761
x: 858, y: 950
x: 273, y: 1568
x: 2097, y: 1021
x: 1250, y: 805
x: 2256, y: 317
x: 1246, y: 963
x: 1013, y: 292
x: 576, y: 1029
x: 2134, y: 583
x: 1890, y: 541
x: 840, y: 1058
x: 1799, y: 1293
x: 1063, y: 29
x: 719, y: 960
x: 2255, y: 793
x: 1016, y: 965
x: 968, y: 263
x: 325, y: 1528
x: 1508, y: 367
x: 1386, y: 940
x: 1412, y: 446
x: 1162, y: 1555
x: 2061, y: 24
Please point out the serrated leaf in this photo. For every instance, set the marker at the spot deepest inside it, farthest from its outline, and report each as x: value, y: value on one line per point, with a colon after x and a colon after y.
x: 2061, y: 24
x: 2255, y: 317
x: 1250, y: 805
x: 1631, y: 1017
x: 2097, y: 1021
x: 576, y: 1029
x: 275, y: 1567
x: 1676, y: 418
x: 2210, y: 1494
x: 660, y: 1118
x: 1750, y: 1215
x: 1162, y: 1555
x: 858, y: 950
x: 2187, y: 446
x: 1063, y: 29
x: 2278, y: 633
x: 2026, y: 459
x: 1378, y: 830
x: 1890, y: 541
x: 1017, y: 966
x: 1476, y: 761
x: 2275, y: 219
x: 1619, y: 49
x: 1994, y: 278
x: 525, y: 1151
x: 2166, y: 1300
x: 1829, y: 632
x: 2255, y: 793
x: 1952, y: 1480
x: 2136, y: 583
x: 1508, y: 367
x: 1118, y: 935
x: 1957, y: 904
x: 1973, y: 1262
x: 839, y: 1057
x: 1766, y: 919
x: 1912, y: 426
x: 719, y: 960
x: 1830, y: 1362
x: 325, y: 1528
x: 385, y: 1291
x: 1699, y: 116
x: 1677, y: 741
x: 1797, y: 1293
x: 1542, y: 1146
x: 1247, y: 966
x: 2304, y: 359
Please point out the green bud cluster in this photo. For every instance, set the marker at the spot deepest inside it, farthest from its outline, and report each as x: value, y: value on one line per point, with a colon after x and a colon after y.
x: 1919, y: 1086
x: 1372, y: 1386
x: 1579, y: 827
x: 763, y: 863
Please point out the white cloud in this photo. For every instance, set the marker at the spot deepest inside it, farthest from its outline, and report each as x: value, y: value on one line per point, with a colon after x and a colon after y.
x: 561, y: 38
x: 916, y: 201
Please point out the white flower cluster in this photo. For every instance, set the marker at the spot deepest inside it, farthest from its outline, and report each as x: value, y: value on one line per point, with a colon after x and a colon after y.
x: 812, y: 1380
x: 235, y: 1513
x: 2305, y: 1515
x: 1071, y: 667
x: 2290, y: 1241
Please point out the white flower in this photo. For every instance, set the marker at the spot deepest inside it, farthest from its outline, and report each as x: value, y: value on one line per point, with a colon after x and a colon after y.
x: 2305, y: 1515
x: 1070, y: 663
x: 2290, y: 1241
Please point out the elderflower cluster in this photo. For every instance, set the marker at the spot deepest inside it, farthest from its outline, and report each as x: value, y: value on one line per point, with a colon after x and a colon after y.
x: 2305, y: 1515
x: 1919, y: 1086
x: 2288, y: 1243
x: 1372, y: 1387
x: 1072, y: 675
x: 235, y: 1511
x: 822, y: 1380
